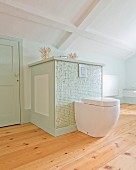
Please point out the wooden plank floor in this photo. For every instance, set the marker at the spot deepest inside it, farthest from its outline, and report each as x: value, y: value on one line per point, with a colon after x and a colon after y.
x: 26, y: 147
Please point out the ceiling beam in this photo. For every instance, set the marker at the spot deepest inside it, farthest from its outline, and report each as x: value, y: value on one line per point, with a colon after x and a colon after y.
x: 84, y: 21
x: 107, y: 40
x: 27, y: 13
x: 68, y: 40
x: 86, y: 13
x: 73, y: 30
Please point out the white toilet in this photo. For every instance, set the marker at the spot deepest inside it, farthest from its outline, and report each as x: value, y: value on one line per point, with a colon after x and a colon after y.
x: 97, y: 116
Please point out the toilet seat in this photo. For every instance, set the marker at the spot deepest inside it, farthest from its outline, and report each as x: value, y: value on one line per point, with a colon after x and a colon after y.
x: 105, y: 102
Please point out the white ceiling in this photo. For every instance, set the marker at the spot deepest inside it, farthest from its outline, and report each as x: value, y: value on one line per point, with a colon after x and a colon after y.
x: 87, y: 47
x: 102, y: 27
x: 118, y: 20
x: 67, y: 10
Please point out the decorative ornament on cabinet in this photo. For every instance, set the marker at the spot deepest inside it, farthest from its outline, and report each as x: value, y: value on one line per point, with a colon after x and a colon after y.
x: 45, y: 52
x: 72, y: 56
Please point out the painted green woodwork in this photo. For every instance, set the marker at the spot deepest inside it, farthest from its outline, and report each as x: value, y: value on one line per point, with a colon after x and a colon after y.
x: 65, y: 87
x: 43, y: 121
x: 25, y: 113
x: 9, y: 83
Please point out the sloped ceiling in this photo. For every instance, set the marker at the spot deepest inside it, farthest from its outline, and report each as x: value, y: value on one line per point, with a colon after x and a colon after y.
x: 104, y: 27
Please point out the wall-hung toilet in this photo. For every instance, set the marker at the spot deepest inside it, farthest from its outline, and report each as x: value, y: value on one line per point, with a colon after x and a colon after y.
x: 97, y: 116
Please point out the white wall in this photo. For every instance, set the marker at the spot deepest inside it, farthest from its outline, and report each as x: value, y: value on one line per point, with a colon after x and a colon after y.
x: 131, y: 72
x: 113, y: 66
x: 31, y: 54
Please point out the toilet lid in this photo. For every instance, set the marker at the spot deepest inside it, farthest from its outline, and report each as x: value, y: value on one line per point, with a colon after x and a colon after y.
x: 101, y: 101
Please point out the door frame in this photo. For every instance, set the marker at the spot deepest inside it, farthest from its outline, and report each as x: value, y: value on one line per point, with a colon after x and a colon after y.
x: 24, y: 114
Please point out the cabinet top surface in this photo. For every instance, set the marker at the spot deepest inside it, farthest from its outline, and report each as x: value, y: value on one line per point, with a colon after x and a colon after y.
x: 65, y: 59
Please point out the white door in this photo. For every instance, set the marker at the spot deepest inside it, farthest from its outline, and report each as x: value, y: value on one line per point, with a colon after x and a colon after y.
x: 9, y: 83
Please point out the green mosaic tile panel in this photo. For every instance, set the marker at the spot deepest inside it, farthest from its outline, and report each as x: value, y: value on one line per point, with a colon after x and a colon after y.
x: 70, y: 87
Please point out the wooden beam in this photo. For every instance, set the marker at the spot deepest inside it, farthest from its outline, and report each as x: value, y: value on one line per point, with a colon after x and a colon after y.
x: 66, y: 42
x: 84, y: 21
x: 27, y: 13
x: 104, y: 39
x: 100, y: 38
x: 86, y: 13
x: 72, y: 31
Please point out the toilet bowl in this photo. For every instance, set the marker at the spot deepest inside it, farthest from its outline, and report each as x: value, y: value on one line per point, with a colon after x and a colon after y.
x: 97, y: 116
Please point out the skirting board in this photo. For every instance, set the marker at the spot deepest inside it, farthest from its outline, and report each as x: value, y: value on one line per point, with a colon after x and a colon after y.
x: 65, y: 130
x: 46, y: 129
x: 39, y: 121
x: 25, y: 116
